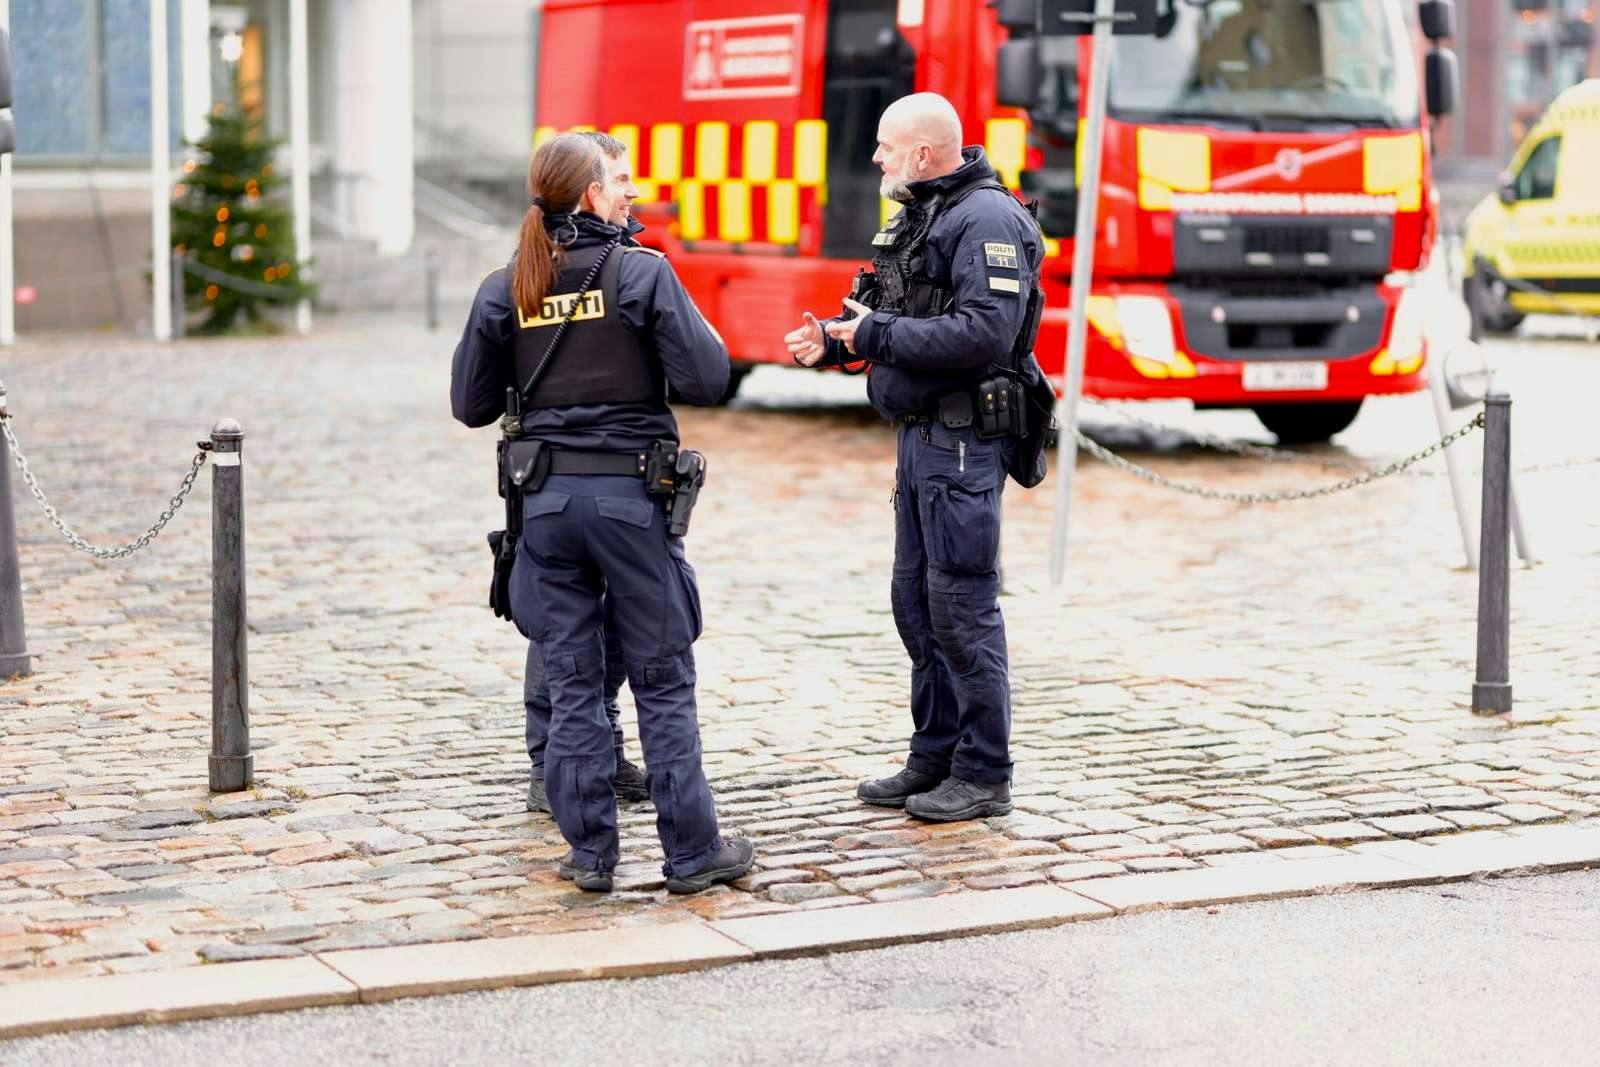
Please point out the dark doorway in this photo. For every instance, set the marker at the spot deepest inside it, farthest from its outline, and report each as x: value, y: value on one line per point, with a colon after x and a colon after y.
x: 869, y: 65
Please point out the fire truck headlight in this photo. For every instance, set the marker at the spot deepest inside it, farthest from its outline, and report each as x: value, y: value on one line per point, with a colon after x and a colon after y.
x: 1406, y: 336
x: 1146, y: 327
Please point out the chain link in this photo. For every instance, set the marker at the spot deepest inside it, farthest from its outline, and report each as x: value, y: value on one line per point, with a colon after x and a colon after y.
x: 1365, y: 478
x: 72, y: 535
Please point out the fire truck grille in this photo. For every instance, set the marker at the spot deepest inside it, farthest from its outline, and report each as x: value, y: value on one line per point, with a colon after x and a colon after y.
x: 1287, y: 240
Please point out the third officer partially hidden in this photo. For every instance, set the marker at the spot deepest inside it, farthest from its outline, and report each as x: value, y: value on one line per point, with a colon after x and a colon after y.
x: 947, y: 320
x: 572, y: 347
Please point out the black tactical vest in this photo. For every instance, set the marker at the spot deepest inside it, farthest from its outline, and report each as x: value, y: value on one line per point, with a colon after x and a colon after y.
x: 600, y: 360
x: 901, y: 249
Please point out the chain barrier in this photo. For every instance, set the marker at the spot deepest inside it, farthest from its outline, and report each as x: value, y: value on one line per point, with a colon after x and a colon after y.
x: 1268, y: 453
x: 234, y: 282
x: 1272, y: 454
x: 72, y: 535
x: 1105, y: 455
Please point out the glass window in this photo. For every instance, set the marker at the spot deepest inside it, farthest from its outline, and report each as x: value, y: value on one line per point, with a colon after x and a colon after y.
x: 1537, y: 178
x: 51, y: 57
x: 1249, y: 61
x: 82, y: 74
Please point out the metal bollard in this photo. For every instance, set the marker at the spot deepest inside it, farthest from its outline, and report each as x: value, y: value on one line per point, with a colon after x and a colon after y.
x: 232, y: 765
x: 1491, y: 692
x: 179, y: 300
x: 430, y: 284
x: 14, y: 659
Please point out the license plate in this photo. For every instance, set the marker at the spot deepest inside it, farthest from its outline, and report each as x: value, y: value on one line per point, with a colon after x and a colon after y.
x: 1285, y: 377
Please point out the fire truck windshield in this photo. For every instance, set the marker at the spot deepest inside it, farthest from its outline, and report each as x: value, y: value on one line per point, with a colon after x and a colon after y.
x: 1270, y: 64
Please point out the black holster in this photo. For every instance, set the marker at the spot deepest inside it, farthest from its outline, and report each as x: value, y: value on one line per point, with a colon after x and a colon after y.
x: 522, y: 466
x: 690, y: 471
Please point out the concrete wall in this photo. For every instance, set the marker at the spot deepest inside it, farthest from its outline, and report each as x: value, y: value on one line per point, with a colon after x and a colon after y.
x: 85, y: 251
x: 475, y: 73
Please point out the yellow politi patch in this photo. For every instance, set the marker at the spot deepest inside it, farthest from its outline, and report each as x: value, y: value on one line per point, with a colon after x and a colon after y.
x: 556, y: 306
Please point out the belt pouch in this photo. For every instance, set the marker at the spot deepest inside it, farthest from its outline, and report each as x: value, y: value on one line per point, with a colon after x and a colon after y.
x: 527, y: 464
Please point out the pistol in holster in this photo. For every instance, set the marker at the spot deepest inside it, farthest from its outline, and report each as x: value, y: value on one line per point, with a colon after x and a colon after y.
x: 675, y: 476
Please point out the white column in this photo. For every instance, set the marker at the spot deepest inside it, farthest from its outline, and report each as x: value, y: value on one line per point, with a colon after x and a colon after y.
x: 160, y: 178
x: 300, y: 147
x: 8, y: 266
x: 195, y: 20
x: 373, y: 139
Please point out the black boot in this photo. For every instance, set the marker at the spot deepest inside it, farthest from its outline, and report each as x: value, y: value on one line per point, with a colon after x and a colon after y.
x: 732, y: 860
x: 893, y: 791
x: 538, y: 799
x: 629, y: 784
x: 957, y: 799
x: 588, y: 881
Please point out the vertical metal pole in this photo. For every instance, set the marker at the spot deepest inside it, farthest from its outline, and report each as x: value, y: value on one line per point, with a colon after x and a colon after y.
x: 1453, y: 463
x: 300, y: 150
x: 160, y: 178
x: 430, y: 282
x: 180, y: 314
x: 1082, y: 280
x: 1491, y: 692
x: 8, y: 282
x: 232, y: 766
x: 14, y: 659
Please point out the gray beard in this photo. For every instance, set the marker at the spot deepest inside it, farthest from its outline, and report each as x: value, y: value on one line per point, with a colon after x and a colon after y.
x: 895, y: 188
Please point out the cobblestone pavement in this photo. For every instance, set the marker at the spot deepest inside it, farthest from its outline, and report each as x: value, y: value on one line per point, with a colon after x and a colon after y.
x: 1217, y: 685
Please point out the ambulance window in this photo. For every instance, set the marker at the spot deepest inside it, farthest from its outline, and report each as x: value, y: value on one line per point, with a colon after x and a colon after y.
x: 869, y: 66
x: 1537, y: 179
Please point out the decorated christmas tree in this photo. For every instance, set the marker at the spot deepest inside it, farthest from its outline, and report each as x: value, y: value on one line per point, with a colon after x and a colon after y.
x: 236, y: 236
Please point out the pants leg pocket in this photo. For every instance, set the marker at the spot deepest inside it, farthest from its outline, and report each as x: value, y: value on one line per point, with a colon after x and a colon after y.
x: 683, y: 594
x: 966, y: 523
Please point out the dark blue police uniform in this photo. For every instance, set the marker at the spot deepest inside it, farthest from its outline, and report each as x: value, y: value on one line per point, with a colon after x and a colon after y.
x: 536, y: 701
x: 981, y: 257
x: 589, y: 540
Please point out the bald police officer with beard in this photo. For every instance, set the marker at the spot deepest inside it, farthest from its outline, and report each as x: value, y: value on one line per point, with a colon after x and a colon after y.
x: 954, y: 273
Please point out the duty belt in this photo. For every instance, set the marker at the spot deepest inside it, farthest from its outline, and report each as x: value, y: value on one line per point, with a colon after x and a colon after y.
x: 628, y: 464
x: 669, y: 472
x: 993, y: 407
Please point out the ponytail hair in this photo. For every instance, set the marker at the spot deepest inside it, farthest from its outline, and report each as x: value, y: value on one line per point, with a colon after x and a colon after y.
x: 558, y: 176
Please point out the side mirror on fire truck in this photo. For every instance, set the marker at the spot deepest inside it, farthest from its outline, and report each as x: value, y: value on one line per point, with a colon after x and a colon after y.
x: 8, y: 129
x: 1441, y: 77
x: 1437, y: 19
x: 1017, y: 70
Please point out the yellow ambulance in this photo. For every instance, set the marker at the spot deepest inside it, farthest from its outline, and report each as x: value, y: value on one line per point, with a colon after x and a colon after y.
x: 1533, y: 246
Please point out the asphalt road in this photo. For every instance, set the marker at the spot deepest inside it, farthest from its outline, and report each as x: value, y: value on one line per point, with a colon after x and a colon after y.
x: 1463, y: 974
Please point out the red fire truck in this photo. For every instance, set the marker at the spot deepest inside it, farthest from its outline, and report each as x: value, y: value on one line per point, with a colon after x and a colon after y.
x: 1266, y: 189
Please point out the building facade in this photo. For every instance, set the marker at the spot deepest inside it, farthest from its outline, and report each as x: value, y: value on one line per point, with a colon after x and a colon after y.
x: 397, y: 88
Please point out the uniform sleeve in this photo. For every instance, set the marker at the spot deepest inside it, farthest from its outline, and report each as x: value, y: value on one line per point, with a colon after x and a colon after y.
x: 655, y: 302
x: 481, y: 368
x: 991, y: 271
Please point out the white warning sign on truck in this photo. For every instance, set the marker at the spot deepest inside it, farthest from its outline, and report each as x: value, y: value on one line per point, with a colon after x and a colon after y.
x: 750, y: 57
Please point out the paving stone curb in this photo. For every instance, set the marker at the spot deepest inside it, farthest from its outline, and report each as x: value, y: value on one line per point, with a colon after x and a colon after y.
x: 373, y: 975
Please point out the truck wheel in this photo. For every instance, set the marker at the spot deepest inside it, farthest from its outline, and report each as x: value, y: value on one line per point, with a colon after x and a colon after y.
x: 1488, y: 303
x: 1303, y: 424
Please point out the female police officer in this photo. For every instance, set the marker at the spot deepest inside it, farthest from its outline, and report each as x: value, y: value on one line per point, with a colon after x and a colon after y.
x: 591, y: 533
